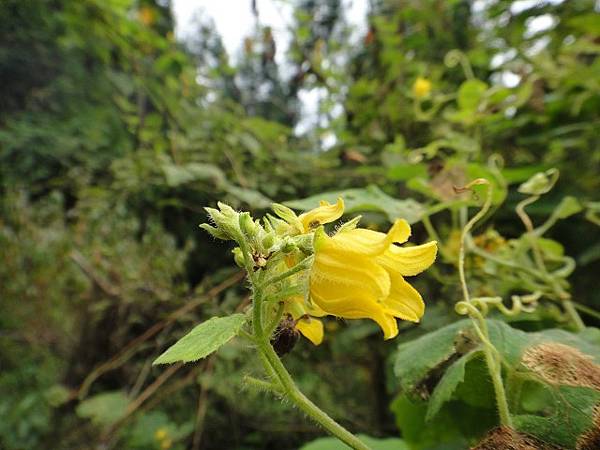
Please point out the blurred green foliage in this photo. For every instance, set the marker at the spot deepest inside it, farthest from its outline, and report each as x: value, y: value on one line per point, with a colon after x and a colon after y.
x: 114, y: 135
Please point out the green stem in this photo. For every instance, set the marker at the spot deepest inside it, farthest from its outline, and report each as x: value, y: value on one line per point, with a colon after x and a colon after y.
x: 305, y: 264
x: 496, y: 374
x: 262, y: 385
x: 539, y: 260
x: 275, y: 321
x: 492, y: 357
x: 291, y: 391
x: 586, y: 310
x: 575, y: 317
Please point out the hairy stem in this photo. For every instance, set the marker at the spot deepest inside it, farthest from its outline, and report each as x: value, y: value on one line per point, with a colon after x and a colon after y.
x: 291, y: 391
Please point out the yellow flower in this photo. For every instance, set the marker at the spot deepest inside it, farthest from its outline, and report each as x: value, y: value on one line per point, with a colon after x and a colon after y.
x: 421, y: 87
x: 359, y: 274
x: 161, y: 434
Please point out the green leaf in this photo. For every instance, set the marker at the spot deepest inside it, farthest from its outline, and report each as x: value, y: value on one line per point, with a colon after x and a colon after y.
x: 551, y: 249
x: 566, y: 420
x: 567, y: 207
x: 509, y: 341
x: 177, y: 175
x: 470, y: 94
x: 520, y: 174
x: 370, y: 198
x: 403, y: 172
x: 203, y: 340
x: 104, y: 409
x: 331, y: 443
x: 448, y: 384
x: 251, y: 197
x: 588, y: 23
x: 454, y: 428
x: 415, y: 359
x: 57, y: 395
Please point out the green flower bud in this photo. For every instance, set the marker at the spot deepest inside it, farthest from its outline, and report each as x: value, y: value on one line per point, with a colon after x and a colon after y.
x: 238, y: 256
x: 540, y: 183
x: 215, y: 232
x: 226, y: 220
x: 284, y: 212
x: 247, y: 225
x: 288, y: 246
x: 288, y: 216
x: 268, y: 241
x: 226, y: 209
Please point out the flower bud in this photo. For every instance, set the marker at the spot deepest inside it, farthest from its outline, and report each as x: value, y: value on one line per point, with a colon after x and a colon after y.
x: 215, y: 232
x: 238, y: 256
x: 540, y: 183
x: 288, y: 246
x: 288, y: 216
x: 284, y: 212
x: 247, y: 225
x: 226, y: 221
x: 268, y: 241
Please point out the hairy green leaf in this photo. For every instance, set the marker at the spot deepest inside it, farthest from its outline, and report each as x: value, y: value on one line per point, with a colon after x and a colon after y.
x: 448, y: 384
x: 203, y: 340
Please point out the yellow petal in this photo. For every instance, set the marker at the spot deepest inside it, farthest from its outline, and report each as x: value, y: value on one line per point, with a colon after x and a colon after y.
x: 312, y: 329
x: 325, y: 213
x: 338, y: 273
x: 362, y: 241
x: 404, y: 301
x: 409, y: 261
x: 358, y: 308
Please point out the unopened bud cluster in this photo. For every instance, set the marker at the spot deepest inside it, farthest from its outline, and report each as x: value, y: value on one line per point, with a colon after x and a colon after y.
x: 282, y: 234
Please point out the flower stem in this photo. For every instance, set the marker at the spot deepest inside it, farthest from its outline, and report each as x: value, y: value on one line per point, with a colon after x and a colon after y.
x: 291, y: 391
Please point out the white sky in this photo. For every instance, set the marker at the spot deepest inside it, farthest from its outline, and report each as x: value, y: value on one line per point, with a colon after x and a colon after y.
x: 234, y: 21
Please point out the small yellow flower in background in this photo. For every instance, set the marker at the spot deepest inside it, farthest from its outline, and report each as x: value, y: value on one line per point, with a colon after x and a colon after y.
x: 147, y: 15
x: 359, y: 274
x: 421, y: 87
x: 166, y: 444
x: 160, y: 434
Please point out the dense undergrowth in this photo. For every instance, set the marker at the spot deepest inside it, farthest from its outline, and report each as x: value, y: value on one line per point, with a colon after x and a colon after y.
x: 114, y: 136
